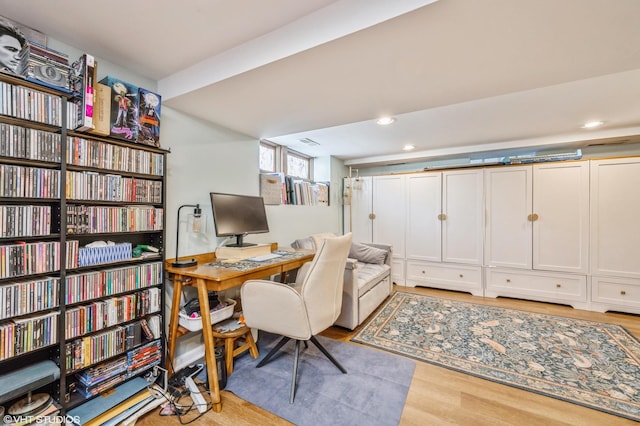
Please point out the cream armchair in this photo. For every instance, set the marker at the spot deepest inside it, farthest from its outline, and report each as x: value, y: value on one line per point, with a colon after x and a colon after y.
x: 367, y: 278
x: 301, y: 311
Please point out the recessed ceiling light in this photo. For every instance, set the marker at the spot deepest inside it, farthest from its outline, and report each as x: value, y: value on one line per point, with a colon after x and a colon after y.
x: 592, y: 124
x: 385, y: 121
x: 408, y: 147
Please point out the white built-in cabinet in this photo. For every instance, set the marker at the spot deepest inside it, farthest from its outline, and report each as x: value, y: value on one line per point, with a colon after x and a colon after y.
x: 444, y: 230
x: 537, y: 232
x: 375, y: 212
x: 615, y: 235
x: 562, y: 232
x: 358, y: 196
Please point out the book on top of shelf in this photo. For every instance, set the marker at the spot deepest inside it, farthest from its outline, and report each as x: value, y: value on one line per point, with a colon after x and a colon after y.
x: 46, y: 67
x: 272, y: 188
x: 149, y: 118
x: 83, y: 76
x: 124, y: 108
x: 101, y: 110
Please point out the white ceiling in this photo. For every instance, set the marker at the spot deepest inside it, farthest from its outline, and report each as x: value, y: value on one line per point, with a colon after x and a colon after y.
x: 460, y: 76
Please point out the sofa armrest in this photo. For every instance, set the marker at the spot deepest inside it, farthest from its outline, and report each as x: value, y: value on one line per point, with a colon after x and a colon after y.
x: 349, y: 311
x: 351, y: 264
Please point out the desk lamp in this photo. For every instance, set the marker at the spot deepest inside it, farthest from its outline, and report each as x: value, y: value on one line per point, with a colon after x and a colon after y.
x: 197, y: 212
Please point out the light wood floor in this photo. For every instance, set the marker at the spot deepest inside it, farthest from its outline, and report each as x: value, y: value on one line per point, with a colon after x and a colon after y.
x: 438, y: 396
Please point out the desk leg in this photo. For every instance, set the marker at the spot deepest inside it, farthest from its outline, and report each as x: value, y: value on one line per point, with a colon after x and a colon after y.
x: 173, y: 322
x: 209, y: 346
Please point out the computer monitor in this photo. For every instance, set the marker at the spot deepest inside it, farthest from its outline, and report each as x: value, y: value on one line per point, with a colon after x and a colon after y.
x: 238, y: 215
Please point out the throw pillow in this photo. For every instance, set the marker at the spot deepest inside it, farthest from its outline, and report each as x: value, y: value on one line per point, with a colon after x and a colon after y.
x: 304, y: 243
x: 367, y: 254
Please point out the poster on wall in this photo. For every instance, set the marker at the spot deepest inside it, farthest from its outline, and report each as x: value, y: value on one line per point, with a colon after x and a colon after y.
x: 14, y: 41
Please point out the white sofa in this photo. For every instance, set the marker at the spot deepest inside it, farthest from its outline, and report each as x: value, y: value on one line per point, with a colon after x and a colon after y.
x: 367, y: 279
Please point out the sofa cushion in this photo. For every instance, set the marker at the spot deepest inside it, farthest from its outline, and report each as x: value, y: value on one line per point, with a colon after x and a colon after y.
x: 367, y: 254
x: 370, y: 274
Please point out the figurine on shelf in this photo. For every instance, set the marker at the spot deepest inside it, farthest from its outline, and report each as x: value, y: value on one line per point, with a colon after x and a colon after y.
x: 12, y: 43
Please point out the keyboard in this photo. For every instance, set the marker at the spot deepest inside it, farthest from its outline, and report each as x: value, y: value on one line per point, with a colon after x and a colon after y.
x: 264, y: 257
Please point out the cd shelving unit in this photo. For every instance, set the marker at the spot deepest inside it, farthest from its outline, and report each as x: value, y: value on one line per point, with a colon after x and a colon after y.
x: 73, y: 209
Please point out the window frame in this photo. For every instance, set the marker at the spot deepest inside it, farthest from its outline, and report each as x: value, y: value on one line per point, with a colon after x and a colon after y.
x: 276, y: 155
x: 285, y: 163
x: 281, y: 160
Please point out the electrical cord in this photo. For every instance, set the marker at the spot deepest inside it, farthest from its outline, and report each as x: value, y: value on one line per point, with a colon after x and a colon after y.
x: 193, y: 406
x: 173, y: 400
x: 180, y: 410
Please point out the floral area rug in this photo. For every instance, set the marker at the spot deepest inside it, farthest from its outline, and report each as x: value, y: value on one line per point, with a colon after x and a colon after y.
x: 588, y: 363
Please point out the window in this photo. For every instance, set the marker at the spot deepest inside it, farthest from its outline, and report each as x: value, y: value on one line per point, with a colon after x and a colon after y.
x: 294, y: 184
x: 298, y: 165
x: 277, y: 158
x: 268, y: 157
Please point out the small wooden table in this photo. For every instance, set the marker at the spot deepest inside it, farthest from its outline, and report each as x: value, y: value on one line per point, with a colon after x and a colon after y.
x: 216, y: 277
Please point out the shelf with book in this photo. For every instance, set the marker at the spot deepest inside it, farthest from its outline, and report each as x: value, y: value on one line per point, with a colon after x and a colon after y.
x: 31, y: 173
x: 95, y: 379
x: 75, y: 212
x: 115, y: 195
x: 277, y: 188
x: 101, y: 314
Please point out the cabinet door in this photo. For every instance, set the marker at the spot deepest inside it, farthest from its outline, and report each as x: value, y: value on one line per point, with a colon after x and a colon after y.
x: 615, y: 217
x: 424, y: 205
x: 463, y: 216
x: 561, y: 212
x: 508, y: 207
x: 389, y: 212
x: 356, y: 215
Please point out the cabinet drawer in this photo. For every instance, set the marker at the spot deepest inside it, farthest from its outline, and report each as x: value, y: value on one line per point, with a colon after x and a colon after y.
x: 537, y: 285
x: 446, y: 276
x: 622, y: 294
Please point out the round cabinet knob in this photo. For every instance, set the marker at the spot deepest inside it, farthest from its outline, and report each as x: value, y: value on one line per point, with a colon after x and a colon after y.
x: 623, y: 292
x: 372, y: 216
x: 424, y: 272
x: 461, y: 276
x: 508, y: 280
x: 558, y: 285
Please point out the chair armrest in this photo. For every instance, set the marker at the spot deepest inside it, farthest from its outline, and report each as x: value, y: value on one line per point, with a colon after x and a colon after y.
x: 276, y: 308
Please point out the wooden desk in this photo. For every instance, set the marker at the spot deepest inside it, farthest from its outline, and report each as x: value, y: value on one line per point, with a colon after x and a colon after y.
x: 211, y: 278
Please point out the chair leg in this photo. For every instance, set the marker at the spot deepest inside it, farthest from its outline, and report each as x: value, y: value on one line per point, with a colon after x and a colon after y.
x: 273, y: 351
x: 253, y: 349
x: 327, y: 354
x: 295, y: 372
x: 229, y: 347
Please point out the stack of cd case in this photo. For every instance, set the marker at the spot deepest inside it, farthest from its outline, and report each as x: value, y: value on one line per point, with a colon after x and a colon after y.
x: 46, y: 66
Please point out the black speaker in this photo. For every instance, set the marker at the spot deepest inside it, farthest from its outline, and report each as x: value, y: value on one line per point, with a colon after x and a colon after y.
x: 221, y: 366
